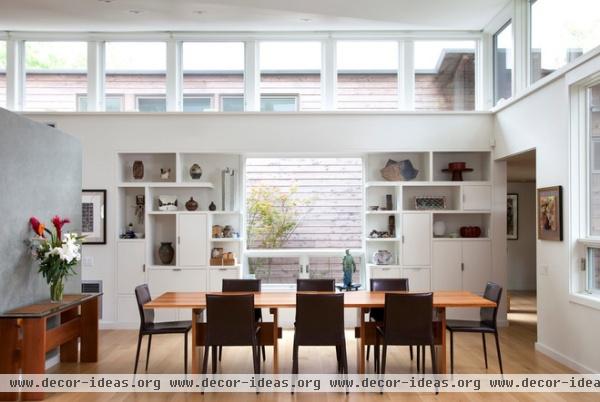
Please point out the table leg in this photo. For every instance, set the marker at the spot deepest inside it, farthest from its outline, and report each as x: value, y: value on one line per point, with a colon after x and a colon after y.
x: 441, y: 349
x: 89, y: 331
x: 69, y: 350
x: 9, y: 338
x: 275, y: 313
x: 33, y: 352
x: 360, y: 353
x: 196, y: 313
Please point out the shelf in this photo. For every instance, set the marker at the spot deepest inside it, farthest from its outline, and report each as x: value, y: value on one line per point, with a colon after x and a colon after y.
x: 461, y: 238
x: 390, y: 239
x: 226, y: 239
x: 384, y: 183
x: 382, y: 212
x: 383, y: 266
x: 131, y: 240
x: 236, y: 266
x: 167, y: 184
x: 425, y: 183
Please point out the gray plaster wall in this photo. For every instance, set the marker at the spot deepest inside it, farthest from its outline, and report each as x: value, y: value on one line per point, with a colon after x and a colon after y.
x: 40, y: 175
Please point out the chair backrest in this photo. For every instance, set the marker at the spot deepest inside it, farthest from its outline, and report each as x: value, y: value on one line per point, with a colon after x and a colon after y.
x: 142, y: 296
x: 389, y: 284
x: 408, y: 318
x: 315, y: 285
x: 241, y: 285
x: 230, y: 320
x: 319, y: 318
x: 487, y: 315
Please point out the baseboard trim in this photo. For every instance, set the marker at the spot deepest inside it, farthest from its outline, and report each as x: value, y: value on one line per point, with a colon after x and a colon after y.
x: 559, y: 357
x: 53, y: 361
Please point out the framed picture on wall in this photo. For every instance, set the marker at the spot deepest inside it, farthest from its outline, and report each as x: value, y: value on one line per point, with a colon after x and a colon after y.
x: 512, y: 216
x: 550, y: 213
x: 93, y: 216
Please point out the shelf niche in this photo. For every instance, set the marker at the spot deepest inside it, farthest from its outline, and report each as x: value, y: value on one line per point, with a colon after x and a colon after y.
x: 153, y: 162
x: 163, y: 229
x: 377, y: 161
x: 455, y: 221
x: 451, y: 193
x: 127, y: 210
x: 480, y: 162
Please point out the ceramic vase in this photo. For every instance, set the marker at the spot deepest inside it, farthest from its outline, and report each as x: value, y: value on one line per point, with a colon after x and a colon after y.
x: 138, y: 170
x: 166, y: 253
x: 191, y: 205
x: 195, y: 171
x: 439, y: 228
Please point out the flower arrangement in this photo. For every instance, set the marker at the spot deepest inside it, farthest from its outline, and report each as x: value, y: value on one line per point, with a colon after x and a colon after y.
x: 58, y: 253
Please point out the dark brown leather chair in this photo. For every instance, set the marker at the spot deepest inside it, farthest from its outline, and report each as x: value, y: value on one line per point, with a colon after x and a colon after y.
x: 486, y: 324
x: 320, y: 322
x: 408, y: 320
x: 243, y: 285
x: 149, y: 327
x: 315, y: 285
x: 230, y: 321
x: 376, y: 314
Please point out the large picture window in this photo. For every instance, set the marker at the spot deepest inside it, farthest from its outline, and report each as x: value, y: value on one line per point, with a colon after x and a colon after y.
x: 503, y: 63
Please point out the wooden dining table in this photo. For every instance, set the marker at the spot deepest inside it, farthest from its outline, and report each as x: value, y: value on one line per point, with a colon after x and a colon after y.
x: 360, y: 300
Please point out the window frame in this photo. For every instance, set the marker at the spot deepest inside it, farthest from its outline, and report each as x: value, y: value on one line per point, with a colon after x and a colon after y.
x: 120, y: 97
x: 224, y: 96
x: 210, y: 97
x: 494, y: 61
x: 148, y: 96
x: 295, y: 96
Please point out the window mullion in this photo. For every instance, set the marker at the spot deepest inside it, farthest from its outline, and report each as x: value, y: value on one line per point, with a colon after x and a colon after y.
x: 252, y: 76
x: 174, y: 76
x: 15, y: 74
x: 96, y: 76
x: 328, y: 74
x: 521, y: 38
x: 406, y: 75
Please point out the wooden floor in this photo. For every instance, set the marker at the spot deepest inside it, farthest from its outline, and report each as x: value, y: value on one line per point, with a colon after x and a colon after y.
x: 517, y: 342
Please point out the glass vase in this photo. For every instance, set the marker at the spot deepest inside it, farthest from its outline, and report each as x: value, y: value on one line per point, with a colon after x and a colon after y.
x: 57, y: 291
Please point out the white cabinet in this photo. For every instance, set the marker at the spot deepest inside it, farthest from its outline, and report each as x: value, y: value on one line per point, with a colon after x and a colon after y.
x: 416, y: 239
x: 192, y: 240
x: 382, y: 272
x: 216, y: 276
x: 461, y: 265
x: 161, y: 280
x: 419, y: 278
x: 131, y: 265
x: 477, y: 198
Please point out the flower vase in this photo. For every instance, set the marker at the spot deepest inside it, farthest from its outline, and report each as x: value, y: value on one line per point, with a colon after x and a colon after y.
x: 57, y: 289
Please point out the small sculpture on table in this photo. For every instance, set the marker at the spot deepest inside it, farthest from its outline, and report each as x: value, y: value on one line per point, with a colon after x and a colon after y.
x: 349, y: 267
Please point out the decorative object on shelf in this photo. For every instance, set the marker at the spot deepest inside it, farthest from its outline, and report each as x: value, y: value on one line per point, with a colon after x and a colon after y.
x: 349, y: 267
x: 216, y: 252
x: 138, y: 170
x: 195, y: 171
x: 457, y: 169
x: 139, y: 235
x: 228, y: 187
x: 392, y: 225
x: 217, y: 231
x: 512, y: 216
x: 219, y: 257
x: 550, y: 213
x: 374, y: 208
x: 470, y: 231
x: 399, y: 170
x: 388, y: 202
x: 166, y: 253
x: 376, y: 234
x: 57, y: 254
x: 140, y: 207
x: 167, y: 203
x: 165, y: 173
x: 93, y: 216
x: 439, y: 228
x: 191, y: 205
x: 130, y: 233
x: 228, y: 232
x: 382, y: 257
x: 430, y: 202
x: 212, y: 206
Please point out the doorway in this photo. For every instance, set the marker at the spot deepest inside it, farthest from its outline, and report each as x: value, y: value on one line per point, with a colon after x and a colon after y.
x: 521, y: 239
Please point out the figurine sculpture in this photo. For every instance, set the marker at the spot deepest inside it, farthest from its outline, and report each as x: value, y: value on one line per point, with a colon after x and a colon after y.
x: 349, y: 267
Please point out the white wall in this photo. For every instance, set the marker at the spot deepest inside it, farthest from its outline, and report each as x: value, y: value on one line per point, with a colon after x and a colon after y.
x: 103, y: 135
x: 566, y: 330
x: 521, y: 260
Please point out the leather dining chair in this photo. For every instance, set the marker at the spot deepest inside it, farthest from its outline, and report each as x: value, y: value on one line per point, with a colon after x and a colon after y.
x: 408, y: 320
x: 315, y: 285
x: 244, y: 285
x: 149, y: 327
x: 230, y: 321
x: 376, y: 314
x: 326, y: 330
x: 487, y: 324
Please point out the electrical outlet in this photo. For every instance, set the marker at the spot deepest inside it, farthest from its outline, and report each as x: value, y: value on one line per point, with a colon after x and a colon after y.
x: 87, y: 262
x: 544, y: 270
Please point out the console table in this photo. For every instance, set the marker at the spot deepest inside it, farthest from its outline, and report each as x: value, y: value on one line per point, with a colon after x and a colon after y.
x: 25, y: 337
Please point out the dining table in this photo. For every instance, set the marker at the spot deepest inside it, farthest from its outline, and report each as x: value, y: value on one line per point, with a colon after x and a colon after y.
x: 362, y: 301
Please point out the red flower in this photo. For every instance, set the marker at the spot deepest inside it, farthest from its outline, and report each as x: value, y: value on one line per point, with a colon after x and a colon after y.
x: 58, y: 224
x: 37, y: 227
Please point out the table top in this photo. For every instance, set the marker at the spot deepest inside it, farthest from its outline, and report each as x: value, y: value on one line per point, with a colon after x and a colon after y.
x: 47, y: 308
x: 357, y: 299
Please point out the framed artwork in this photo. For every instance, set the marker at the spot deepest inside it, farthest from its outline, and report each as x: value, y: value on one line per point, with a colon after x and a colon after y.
x: 550, y: 213
x: 93, y: 216
x: 512, y: 216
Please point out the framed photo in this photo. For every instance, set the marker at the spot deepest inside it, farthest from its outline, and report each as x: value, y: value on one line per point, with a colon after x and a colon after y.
x: 93, y: 216
x: 550, y: 213
x: 512, y: 216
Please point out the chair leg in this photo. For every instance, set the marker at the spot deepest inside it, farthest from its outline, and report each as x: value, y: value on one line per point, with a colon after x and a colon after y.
x: 295, y: 359
x: 451, y: 352
x: 256, y: 359
x: 205, y: 360
x: 383, y: 358
x: 344, y: 356
x: 137, y: 353
x: 433, y: 365
x: 368, y: 351
x: 376, y: 355
x: 410, y: 348
x: 185, y: 352
x: 418, y: 358
x: 423, y: 358
x: 214, y: 352
x: 148, y: 352
x: 339, y: 359
x: 264, y: 353
x: 484, y: 349
x: 220, y: 352
x: 498, y: 350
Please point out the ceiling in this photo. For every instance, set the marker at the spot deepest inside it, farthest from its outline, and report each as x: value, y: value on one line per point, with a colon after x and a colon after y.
x: 246, y: 15
x: 521, y: 167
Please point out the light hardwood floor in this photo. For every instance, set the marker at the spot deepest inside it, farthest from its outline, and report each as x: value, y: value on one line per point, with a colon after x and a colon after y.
x: 117, y: 351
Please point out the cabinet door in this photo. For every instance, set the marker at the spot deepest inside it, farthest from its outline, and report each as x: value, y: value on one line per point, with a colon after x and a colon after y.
x: 446, y: 269
x: 192, y: 240
x: 419, y: 278
x: 159, y: 282
x: 416, y: 239
x: 477, y: 259
x: 190, y: 280
x: 216, y: 276
x: 385, y: 272
x: 131, y: 268
x: 477, y: 198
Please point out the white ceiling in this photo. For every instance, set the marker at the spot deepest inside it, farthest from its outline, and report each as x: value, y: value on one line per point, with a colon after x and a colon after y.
x: 246, y: 15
